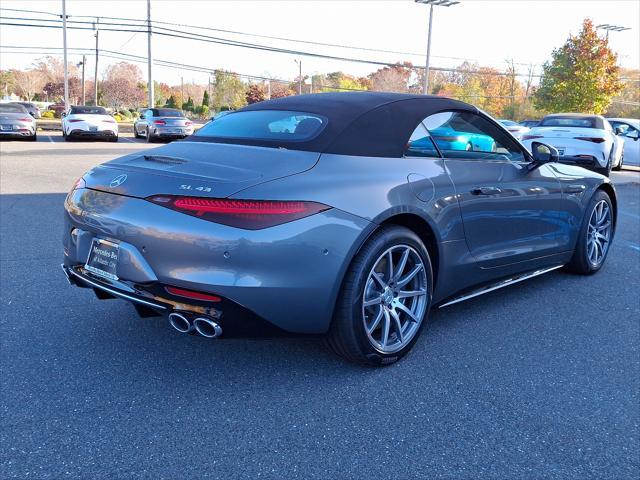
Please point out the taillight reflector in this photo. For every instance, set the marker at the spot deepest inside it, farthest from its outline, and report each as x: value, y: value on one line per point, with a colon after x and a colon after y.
x: 531, y: 137
x: 159, y: 122
x: 74, y: 120
x: 591, y: 139
x: 246, y: 214
x: 181, y: 292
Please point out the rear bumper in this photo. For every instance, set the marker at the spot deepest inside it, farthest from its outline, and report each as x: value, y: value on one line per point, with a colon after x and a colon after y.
x: 166, y: 132
x: 22, y: 132
x: 288, y: 275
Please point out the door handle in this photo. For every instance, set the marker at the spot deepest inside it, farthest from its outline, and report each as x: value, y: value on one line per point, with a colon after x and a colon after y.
x: 577, y: 188
x: 485, y: 191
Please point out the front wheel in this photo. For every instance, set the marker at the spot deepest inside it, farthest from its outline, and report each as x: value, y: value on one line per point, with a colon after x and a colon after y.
x: 385, y: 298
x: 594, y: 238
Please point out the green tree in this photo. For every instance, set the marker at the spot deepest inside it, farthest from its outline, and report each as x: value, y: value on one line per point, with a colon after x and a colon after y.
x: 582, y: 75
x: 205, y: 98
x: 228, y: 93
x: 188, y: 105
x: 171, y: 102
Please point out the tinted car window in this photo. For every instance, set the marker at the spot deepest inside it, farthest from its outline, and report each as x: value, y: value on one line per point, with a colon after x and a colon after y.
x: 166, y: 112
x: 568, y: 122
x: 273, y: 125
x: 420, y: 144
x: 12, y: 109
x: 471, y: 136
x: 88, y: 111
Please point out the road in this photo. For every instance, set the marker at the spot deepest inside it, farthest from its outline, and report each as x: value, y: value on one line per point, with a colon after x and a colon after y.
x: 539, y: 380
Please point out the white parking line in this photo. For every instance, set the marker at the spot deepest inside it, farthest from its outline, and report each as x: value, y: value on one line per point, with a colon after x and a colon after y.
x: 50, y: 139
x: 128, y: 139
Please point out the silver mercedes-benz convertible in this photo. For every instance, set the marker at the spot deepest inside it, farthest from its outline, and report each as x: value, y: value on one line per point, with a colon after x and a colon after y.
x: 344, y: 214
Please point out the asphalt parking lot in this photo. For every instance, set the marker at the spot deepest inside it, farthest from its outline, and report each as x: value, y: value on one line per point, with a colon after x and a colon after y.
x: 539, y: 380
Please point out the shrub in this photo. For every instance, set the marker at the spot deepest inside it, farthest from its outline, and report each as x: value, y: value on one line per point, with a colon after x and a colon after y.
x: 48, y: 114
x: 117, y: 117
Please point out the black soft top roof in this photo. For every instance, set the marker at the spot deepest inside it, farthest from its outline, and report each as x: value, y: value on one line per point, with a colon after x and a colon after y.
x: 376, y: 124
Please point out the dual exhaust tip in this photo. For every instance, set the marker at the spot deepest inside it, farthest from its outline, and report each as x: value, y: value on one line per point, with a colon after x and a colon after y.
x: 203, y: 325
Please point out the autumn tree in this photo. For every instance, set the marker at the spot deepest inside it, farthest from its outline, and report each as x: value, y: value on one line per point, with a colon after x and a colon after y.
x: 123, y: 85
x: 394, y: 78
x: 7, y: 80
x: 255, y: 93
x: 582, y: 75
x: 228, y: 93
x: 28, y: 83
x: 279, y: 90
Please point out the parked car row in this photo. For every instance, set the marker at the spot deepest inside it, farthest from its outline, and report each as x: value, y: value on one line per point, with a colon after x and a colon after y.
x: 16, y: 122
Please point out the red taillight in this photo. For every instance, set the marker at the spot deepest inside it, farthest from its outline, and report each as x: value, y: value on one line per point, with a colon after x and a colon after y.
x: 246, y: 214
x: 188, y: 123
x: 74, y: 120
x: 25, y: 119
x: 159, y: 122
x: 531, y: 137
x: 591, y: 139
x: 191, y: 294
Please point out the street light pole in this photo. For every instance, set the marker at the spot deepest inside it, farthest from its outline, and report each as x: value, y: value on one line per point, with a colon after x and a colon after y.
x: 95, y: 78
x: 611, y: 28
x: 432, y: 3
x: 83, y: 63
x: 149, y: 57
x: 64, y: 45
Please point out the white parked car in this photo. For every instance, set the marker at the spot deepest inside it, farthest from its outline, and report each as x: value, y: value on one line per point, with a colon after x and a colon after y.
x: 585, y: 140
x: 629, y: 129
x: 89, y: 122
x: 515, y: 128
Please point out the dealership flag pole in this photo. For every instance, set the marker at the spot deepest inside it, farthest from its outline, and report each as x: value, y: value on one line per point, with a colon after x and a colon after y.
x: 149, y: 58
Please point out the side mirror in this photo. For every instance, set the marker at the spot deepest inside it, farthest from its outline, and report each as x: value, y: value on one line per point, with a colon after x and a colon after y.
x: 543, y: 153
x: 618, y: 131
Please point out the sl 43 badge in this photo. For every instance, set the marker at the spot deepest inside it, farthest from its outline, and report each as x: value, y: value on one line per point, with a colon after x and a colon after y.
x: 197, y: 188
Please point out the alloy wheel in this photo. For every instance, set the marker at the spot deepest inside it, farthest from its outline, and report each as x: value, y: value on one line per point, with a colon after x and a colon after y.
x: 395, y: 299
x: 599, y: 233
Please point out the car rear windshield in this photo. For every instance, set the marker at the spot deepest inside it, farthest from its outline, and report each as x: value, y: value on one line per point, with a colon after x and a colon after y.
x: 580, y: 122
x: 13, y: 109
x: 88, y: 111
x: 267, y: 125
x: 166, y: 112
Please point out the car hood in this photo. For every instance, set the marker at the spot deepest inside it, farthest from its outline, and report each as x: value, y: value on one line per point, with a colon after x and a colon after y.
x: 197, y: 169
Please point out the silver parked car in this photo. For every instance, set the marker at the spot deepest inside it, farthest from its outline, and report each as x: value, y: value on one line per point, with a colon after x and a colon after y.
x: 32, y: 108
x: 15, y: 122
x: 162, y: 123
x: 354, y: 223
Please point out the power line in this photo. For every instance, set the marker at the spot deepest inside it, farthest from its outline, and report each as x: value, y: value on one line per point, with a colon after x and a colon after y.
x: 173, y: 33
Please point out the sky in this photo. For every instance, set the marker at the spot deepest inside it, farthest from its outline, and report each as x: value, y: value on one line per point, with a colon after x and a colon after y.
x: 485, y: 31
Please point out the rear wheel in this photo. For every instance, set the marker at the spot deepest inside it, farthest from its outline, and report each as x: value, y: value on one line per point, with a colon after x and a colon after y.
x: 385, y: 298
x: 113, y: 139
x: 149, y: 137
x: 594, y: 237
x: 618, y: 167
x: 33, y: 137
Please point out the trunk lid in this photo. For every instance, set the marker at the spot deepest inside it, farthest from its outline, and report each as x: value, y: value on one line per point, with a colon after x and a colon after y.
x: 566, y: 132
x: 173, y: 121
x: 197, y: 169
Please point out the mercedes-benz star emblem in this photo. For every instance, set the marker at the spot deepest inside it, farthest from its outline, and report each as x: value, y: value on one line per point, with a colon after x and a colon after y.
x: 119, y: 180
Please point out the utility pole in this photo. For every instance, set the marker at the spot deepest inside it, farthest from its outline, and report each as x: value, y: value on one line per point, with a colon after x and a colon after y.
x: 149, y: 57
x: 181, y: 91
x: 64, y: 45
x: 431, y: 3
x: 95, y: 78
x: 299, y: 62
x: 83, y: 63
x: 611, y: 28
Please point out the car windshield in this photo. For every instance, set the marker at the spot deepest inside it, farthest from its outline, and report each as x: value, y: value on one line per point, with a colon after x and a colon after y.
x: 12, y: 109
x: 88, y: 111
x: 274, y: 125
x: 580, y: 122
x: 166, y: 112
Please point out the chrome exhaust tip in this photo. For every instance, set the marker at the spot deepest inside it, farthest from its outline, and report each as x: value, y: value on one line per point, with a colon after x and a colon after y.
x: 207, y: 327
x: 180, y: 322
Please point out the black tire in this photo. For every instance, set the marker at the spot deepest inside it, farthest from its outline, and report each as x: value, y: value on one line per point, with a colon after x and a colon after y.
x: 68, y: 138
x: 33, y: 138
x: 580, y: 262
x: 149, y: 138
x: 618, y: 167
x: 114, y: 139
x: 347, y: 336
x: 135, y: 132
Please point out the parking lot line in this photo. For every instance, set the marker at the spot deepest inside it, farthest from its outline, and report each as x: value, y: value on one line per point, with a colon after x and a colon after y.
x: 50, y: 139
